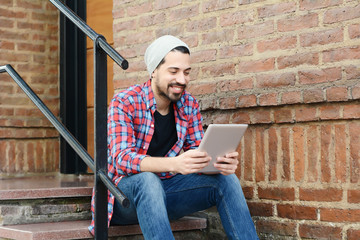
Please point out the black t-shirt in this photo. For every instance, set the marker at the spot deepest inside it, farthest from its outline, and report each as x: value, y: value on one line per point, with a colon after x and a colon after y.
x: 165, y: 134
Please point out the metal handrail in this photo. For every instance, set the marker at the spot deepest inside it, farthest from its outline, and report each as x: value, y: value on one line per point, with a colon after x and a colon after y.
x: 78, y: 148
x: 102, y: 182
x: 123, y: 63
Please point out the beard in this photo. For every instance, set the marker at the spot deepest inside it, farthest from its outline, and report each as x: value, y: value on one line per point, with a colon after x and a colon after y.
x: 173, y: 97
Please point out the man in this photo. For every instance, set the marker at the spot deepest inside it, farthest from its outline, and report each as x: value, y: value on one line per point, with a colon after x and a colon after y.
x: 148, y: 127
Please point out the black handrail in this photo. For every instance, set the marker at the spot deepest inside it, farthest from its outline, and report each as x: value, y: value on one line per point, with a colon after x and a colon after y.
x: 102, y: 182
x: 123, y: 63
x: 78, y: 148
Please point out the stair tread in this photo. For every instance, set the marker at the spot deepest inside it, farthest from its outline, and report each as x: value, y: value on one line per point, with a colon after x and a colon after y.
x: 79, y: 229
x: 53, y: 186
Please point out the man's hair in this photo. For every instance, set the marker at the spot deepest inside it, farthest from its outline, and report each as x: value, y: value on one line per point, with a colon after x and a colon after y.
x: 181, y: 49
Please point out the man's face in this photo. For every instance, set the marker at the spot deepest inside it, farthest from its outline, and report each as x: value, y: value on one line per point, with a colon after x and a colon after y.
x: 171, y: 78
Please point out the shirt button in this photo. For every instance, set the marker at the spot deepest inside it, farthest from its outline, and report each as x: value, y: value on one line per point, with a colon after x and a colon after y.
x: 144, y: 147
x: 152, y: 125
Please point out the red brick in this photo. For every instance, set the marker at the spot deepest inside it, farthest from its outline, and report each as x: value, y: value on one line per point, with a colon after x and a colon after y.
x: 337, y: 94
x: 299, y: 155
x: 319, y: 75
x: 354, y: 152
x: 313, y: 95
x: 257, y: 30
x: 226, y: 35
x: 276, y: 9
x: 354, y: 31
x: 236, y: 51
x: 241, y: 117
x: 321, y: 37
x: 282, y: 43
x: 295, y: 23
x: 275, y: 80
x: 340, y: 153
x: 277, y: 193
x: 298, y: 60
x: 320, y: 195
x: 260, y: 155
x: 219, y: 70
x: 273, y: 154
x: 276, y: 228
x: 353, y: 196
x: 227, y: 103
x: 139, y: 9
x: 7, y: 45
x: 268, y: 99
x: 341, y: 14
x: 285, y: 147
x: 257, y: 65
x: 248, y: 155
x: 246, y: 101
x: 12, y: 14
x: 126, y: 25
x: 238, y: 17
x: 149, y: 20
x: 353, y: 234
x: 296, y: 212
x: 261, y: 116
x: 319, y: 232
x: 340, y: 54
x: 201, y: 25
x: 202, y: 88
x: 306, y: 113
x: 283, y: 115
x: 291, y: 97
x: 313, y: 149
x: 260, y: 209
x: 352, y: 72
x: 248, y: 192
x: 326, y: 153
x: 235, y: 85
x: 339, y: 215
x: 6, y: 23
x: 214, y: 5
x: 352, y: 111
x: 329, y: 112
x: 163, y: 4
x: 311, y: 4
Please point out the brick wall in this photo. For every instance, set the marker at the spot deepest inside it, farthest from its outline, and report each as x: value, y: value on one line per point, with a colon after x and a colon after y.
x: 291, y: 70
x: 29, y: 42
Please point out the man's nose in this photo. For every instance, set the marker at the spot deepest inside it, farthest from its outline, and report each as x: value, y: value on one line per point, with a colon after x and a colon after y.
x: 181, y: 78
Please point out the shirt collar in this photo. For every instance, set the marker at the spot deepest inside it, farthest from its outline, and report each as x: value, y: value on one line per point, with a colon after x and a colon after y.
x: 149, y: 99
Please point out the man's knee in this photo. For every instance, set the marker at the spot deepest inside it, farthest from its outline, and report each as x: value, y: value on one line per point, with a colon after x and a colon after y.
x: 148, y: 183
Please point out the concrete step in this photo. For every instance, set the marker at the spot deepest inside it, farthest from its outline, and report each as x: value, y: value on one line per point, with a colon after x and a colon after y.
x: 58, y: 207
x: 79, y: 229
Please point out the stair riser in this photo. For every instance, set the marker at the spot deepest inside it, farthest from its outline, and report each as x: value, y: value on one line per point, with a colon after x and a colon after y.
x: 16, y: 212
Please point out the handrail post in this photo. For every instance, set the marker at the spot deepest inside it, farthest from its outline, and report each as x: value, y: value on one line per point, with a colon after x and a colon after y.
x: 100, y: 139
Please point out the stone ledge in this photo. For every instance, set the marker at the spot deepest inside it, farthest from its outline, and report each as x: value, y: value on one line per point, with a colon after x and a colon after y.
x: 37, y: 187
x: 79, y: 229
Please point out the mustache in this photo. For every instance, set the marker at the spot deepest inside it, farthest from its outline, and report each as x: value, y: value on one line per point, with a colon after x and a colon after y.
x: 177, y: 85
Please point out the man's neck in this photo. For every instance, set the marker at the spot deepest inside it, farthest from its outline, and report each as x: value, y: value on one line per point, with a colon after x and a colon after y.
x: 162, y: 106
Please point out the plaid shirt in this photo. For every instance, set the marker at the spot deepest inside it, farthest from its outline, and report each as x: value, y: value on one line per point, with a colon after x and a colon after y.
x: 131, y: 127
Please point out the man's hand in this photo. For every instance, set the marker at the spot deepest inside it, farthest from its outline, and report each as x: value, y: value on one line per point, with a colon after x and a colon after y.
x: 228, y: 164
x: 191, y: 161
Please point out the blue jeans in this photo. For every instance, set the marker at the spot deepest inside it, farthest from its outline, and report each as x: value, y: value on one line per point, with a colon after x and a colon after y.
x: 154, y: 201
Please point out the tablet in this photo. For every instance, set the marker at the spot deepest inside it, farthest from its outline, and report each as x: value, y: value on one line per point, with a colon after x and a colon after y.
x: 220, y: 139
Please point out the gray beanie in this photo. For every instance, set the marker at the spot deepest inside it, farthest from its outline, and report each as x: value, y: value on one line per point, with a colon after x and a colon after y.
x: 158, y: 49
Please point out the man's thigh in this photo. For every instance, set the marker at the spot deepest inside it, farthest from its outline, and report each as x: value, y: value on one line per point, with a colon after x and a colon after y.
x: 186, y: 194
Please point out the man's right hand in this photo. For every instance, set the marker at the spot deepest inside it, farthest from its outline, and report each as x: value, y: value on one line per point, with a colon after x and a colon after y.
x: 191, y: 161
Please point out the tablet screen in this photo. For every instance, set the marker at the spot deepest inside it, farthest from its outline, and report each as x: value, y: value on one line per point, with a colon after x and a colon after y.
x: 220, y: 139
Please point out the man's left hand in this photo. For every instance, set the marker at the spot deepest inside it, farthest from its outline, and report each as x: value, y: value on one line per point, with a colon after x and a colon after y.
x: 228, y: 164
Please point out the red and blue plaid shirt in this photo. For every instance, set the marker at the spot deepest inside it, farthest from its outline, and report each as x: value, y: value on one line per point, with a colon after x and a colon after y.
x: 131, y: 127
